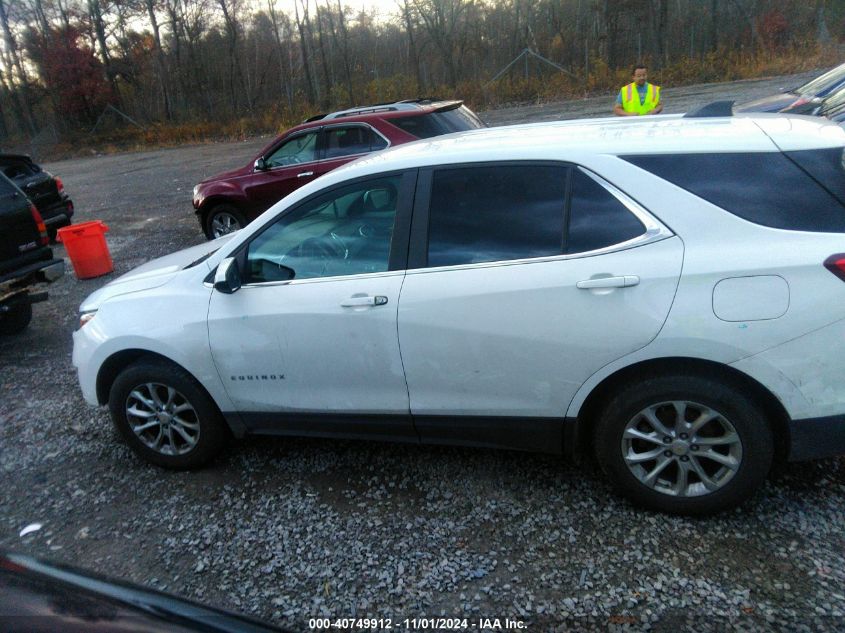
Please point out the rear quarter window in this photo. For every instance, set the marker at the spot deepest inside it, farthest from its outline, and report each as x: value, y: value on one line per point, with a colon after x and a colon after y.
x: 767, y: 188
x: 437, y: 123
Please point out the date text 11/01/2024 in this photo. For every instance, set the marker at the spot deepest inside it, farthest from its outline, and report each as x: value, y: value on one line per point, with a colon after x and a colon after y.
x: 418, y: 624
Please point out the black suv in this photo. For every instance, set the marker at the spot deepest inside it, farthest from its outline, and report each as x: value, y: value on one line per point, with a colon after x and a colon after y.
x: 44, y: 189
x: 26, y: 261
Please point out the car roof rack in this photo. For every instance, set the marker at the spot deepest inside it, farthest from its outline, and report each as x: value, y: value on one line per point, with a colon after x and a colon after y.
x: 388, y: 106
x: 717, y: 108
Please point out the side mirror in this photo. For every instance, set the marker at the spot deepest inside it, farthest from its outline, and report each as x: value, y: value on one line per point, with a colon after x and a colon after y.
x: 260, y: 164
x: 227, y: 279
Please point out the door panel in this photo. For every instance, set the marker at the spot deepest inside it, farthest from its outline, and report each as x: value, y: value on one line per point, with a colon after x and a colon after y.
x: 295, y: 347
x: 519, y: 338
x: 290, y: 166
x: 313, y: 329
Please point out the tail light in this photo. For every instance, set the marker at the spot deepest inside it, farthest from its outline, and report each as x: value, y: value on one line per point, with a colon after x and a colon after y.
x: 836, y: 265
x: 39, y: 222
x: 59, y: 184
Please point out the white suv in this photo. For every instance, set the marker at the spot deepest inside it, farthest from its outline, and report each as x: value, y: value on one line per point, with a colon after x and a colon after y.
x: 666, y: 293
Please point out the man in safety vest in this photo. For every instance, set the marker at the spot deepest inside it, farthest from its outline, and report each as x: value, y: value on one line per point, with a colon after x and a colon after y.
x: 638, y: 97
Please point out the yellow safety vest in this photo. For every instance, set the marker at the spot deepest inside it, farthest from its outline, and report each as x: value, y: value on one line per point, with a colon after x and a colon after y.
x: 631, y: 98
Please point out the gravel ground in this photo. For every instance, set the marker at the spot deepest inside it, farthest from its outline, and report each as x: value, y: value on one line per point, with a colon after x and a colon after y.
x: 290, y: 529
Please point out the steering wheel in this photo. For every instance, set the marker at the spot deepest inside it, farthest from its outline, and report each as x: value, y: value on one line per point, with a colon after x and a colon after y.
x: 321, y: 252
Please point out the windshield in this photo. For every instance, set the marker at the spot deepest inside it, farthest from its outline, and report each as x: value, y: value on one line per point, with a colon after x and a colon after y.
x: 821, y: 86
x: 834, y: 104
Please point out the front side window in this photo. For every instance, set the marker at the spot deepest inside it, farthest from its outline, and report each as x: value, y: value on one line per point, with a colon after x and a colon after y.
x: 495, y: 213
x: 767, y: 188
x: 300, y: 149
x: 347, y: 141
x: 345, y: 232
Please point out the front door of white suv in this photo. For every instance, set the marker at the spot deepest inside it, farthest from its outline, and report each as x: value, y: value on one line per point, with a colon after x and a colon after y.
x: 524, y: 280
x: 313, y: 327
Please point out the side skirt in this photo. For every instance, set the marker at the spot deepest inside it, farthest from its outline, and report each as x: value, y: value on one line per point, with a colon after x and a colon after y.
x: 539, y: 435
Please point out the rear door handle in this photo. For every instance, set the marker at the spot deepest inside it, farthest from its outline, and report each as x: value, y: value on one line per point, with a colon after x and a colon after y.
x: 305, y: 174
x: 360, y: 302
x: 609, y: 282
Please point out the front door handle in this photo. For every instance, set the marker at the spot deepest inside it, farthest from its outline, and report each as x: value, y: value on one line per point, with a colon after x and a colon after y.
x: 360, y: 302
x: 305, y: 174
x: 609, y: 282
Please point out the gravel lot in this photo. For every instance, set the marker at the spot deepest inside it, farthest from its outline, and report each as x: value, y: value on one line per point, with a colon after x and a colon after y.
x: 289, y: 529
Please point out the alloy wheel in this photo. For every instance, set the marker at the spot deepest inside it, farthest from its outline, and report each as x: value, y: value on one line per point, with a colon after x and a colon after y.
x: 224, y: 223
x: 681, y: 448
x: 163, y: 419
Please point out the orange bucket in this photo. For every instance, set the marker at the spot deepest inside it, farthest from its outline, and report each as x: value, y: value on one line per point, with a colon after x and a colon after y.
x: 86, y: 246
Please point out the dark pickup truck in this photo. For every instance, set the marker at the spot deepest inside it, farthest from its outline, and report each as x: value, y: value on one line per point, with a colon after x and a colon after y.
x: 26, y: 261
x: 44, y: 189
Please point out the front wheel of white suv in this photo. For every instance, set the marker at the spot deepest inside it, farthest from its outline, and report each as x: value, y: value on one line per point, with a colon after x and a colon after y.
x: 684, y: 444
x: 165, y: 416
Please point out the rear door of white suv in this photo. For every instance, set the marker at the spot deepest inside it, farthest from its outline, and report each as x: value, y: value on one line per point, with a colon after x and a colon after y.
x: 524, y: 279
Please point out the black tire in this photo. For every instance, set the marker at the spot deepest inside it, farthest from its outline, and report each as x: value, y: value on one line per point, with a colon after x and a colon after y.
x: 179, y: 454
x: 732, y: 483
x: 223, y: 217
x: 17, y: 318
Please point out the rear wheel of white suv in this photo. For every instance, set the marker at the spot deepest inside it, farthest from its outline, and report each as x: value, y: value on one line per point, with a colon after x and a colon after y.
x: 684, y: 444
x: 165, y: 416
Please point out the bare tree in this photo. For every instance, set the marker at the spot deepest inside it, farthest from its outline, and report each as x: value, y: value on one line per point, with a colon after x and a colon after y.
x: 12, y: 60
x: 305, y: 47
x: 159, y: 53
x: 443, y: 22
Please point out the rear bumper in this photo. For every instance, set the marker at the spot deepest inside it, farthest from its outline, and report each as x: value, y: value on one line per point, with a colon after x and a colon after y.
x: 54, y: 270
x: 43, y: 271
x: 816, y: 438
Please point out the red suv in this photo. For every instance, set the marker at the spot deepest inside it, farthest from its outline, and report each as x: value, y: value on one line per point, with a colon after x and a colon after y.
x: 228, y: 201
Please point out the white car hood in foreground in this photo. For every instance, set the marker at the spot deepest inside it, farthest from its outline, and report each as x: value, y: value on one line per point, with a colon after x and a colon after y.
x: 153, y: 274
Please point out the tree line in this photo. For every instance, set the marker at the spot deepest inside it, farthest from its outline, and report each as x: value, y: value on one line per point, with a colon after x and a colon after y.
x: 71, y: 65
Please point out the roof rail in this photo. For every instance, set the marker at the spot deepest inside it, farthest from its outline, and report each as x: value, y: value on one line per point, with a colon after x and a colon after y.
x: 316, y: 117
x: 367, y: 110
x: 717, y: 108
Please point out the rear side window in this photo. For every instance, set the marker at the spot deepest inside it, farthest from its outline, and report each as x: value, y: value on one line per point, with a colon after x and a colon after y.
x: 826, y: 166
x: 597, y: 219
x: 766, y: 188
x: 19, y: 169
x: 495, y: 213
x: 437, y: 123
x: 347, y: 141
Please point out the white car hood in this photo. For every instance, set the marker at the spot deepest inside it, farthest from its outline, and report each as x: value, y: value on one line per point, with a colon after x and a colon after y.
x: 153, y: 274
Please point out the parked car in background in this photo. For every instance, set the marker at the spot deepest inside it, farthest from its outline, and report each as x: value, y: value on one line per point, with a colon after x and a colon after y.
x: 44, y: 189
x: 228, y: 201
x: 832, y: 107
x: 26, y: 261
x: 799, y: 100
x: 41, y: 597
x: 667, y: 293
